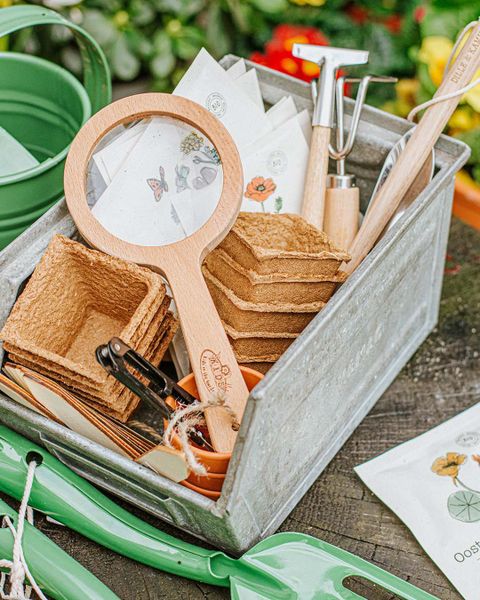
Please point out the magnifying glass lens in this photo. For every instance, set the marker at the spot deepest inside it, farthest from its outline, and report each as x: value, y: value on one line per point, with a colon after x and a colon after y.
x: 154, y: 181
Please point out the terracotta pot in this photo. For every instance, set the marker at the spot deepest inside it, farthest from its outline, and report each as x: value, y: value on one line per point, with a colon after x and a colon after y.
x: 466, y: 203
x: 208, y: 493
x: 216, y: 463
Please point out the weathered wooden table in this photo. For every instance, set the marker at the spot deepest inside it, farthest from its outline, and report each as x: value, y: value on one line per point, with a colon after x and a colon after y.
x: 442, y: 379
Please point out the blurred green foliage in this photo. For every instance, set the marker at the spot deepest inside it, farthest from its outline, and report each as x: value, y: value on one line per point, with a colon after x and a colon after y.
x: 158, y: 38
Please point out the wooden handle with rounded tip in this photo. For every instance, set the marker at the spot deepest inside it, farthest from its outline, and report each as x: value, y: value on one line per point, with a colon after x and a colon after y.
x: 416, y: 151
x: 342, y: 207
x: 313, y: 206
x: 217, y: 374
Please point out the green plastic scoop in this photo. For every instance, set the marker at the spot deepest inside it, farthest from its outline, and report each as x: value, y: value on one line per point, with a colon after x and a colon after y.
x: 283, y: 566
x: 57, y: 574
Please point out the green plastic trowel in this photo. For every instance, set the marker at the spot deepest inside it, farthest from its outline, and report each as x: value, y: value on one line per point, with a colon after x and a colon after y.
x: 57, y: 574
x: 283, y: 566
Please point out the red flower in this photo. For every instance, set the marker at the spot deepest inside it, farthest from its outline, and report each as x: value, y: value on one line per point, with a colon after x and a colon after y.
x: 358, y: 14
x: 419, y: 13
x: 278, y: 51
x: 393, y: 23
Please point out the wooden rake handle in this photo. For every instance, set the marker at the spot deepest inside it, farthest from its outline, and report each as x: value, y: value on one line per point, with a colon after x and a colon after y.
x: 416, y: 151
x: 313, y: 207
x: 216, y: 371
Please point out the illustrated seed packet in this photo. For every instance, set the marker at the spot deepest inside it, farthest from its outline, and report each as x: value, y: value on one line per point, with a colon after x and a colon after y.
x: 166, y: 188
x: 433, y: 484
x: 208, y: 84
x: 274, y: 171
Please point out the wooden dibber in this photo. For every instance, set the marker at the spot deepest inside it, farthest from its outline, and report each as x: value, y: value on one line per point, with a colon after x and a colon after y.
x: 329, y: 60
x: 417, y: 150
x: 213, y: 362
x: 342, y: 207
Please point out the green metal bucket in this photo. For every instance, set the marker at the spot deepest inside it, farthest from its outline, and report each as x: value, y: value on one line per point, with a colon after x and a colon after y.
x: 43, y: 106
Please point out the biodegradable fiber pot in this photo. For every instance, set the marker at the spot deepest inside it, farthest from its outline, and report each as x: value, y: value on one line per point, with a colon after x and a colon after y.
x: 43, y: 106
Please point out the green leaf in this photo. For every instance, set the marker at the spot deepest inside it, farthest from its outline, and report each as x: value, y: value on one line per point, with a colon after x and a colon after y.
x: 188, y: 43
x: 476, y: 173
x: 140, y: 44
x: 162, y: 65
x: 101, y: 28
x: 278, y: 204
x: 424, y: 77
x: 270, y: 6
x: 448, y: 22
x: 472, y: 138
x: 217, y: 30
x: 142, y: 12
x: 464, y: 506
x: 162, y: 44
x: 124, y: 63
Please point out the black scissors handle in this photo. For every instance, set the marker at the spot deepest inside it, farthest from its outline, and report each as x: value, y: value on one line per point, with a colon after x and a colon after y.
x: 114, y: 358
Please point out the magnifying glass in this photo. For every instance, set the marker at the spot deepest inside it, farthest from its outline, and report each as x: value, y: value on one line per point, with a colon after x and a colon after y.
x: 156, y: 179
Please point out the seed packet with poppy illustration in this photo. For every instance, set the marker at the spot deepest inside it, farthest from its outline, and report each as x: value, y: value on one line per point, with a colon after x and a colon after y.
x: 274, y: 171
x: 433, y: 484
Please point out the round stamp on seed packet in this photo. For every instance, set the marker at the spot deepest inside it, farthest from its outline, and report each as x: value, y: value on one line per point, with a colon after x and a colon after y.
x: 277, y: 162
x: 216, y: 104
x: 468, y: 439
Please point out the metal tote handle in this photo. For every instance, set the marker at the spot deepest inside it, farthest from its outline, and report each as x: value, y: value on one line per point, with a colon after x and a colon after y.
x: 96, y: 74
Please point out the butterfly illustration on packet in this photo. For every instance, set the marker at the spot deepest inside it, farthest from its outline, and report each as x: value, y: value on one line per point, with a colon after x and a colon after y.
x: 174, y: 192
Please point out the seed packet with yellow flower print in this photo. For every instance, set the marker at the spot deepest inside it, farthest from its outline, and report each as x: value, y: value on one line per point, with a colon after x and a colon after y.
x: 433, y: 484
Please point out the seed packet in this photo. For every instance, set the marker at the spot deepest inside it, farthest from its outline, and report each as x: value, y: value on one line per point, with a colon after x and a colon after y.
x: 238, y: 68
x: 251, y: 86
x: 208, y: 84
x: 281, y: 111
x: 274, y: 170
x: 13, y: 156
x: 175, y: 186
x: 432, y: 483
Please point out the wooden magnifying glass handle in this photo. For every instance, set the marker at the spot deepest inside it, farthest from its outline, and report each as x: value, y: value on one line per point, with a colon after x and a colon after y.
x: 313, y: 206
x: 214, y: 366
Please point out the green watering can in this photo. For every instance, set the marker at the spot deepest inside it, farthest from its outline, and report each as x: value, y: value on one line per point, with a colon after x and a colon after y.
x: 43, y: 106
x: 284, y: 566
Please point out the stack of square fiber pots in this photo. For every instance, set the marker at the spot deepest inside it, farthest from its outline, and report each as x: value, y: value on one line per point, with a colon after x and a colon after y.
x: 77, y: 299
x: 268, y: 278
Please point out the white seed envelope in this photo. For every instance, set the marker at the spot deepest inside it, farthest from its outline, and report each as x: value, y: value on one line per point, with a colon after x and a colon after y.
x: 161, y: 193
x: 433, y: 484
x: 274, y: 171
x: 208, y: 84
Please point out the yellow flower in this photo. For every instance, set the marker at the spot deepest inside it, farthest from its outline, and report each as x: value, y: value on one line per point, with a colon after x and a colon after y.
x: 449, y: 465
x: 473, y: 96
x: 308, y: 2
x: 435, y: 52
x: 407, y: 91
x: 463, y: 119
